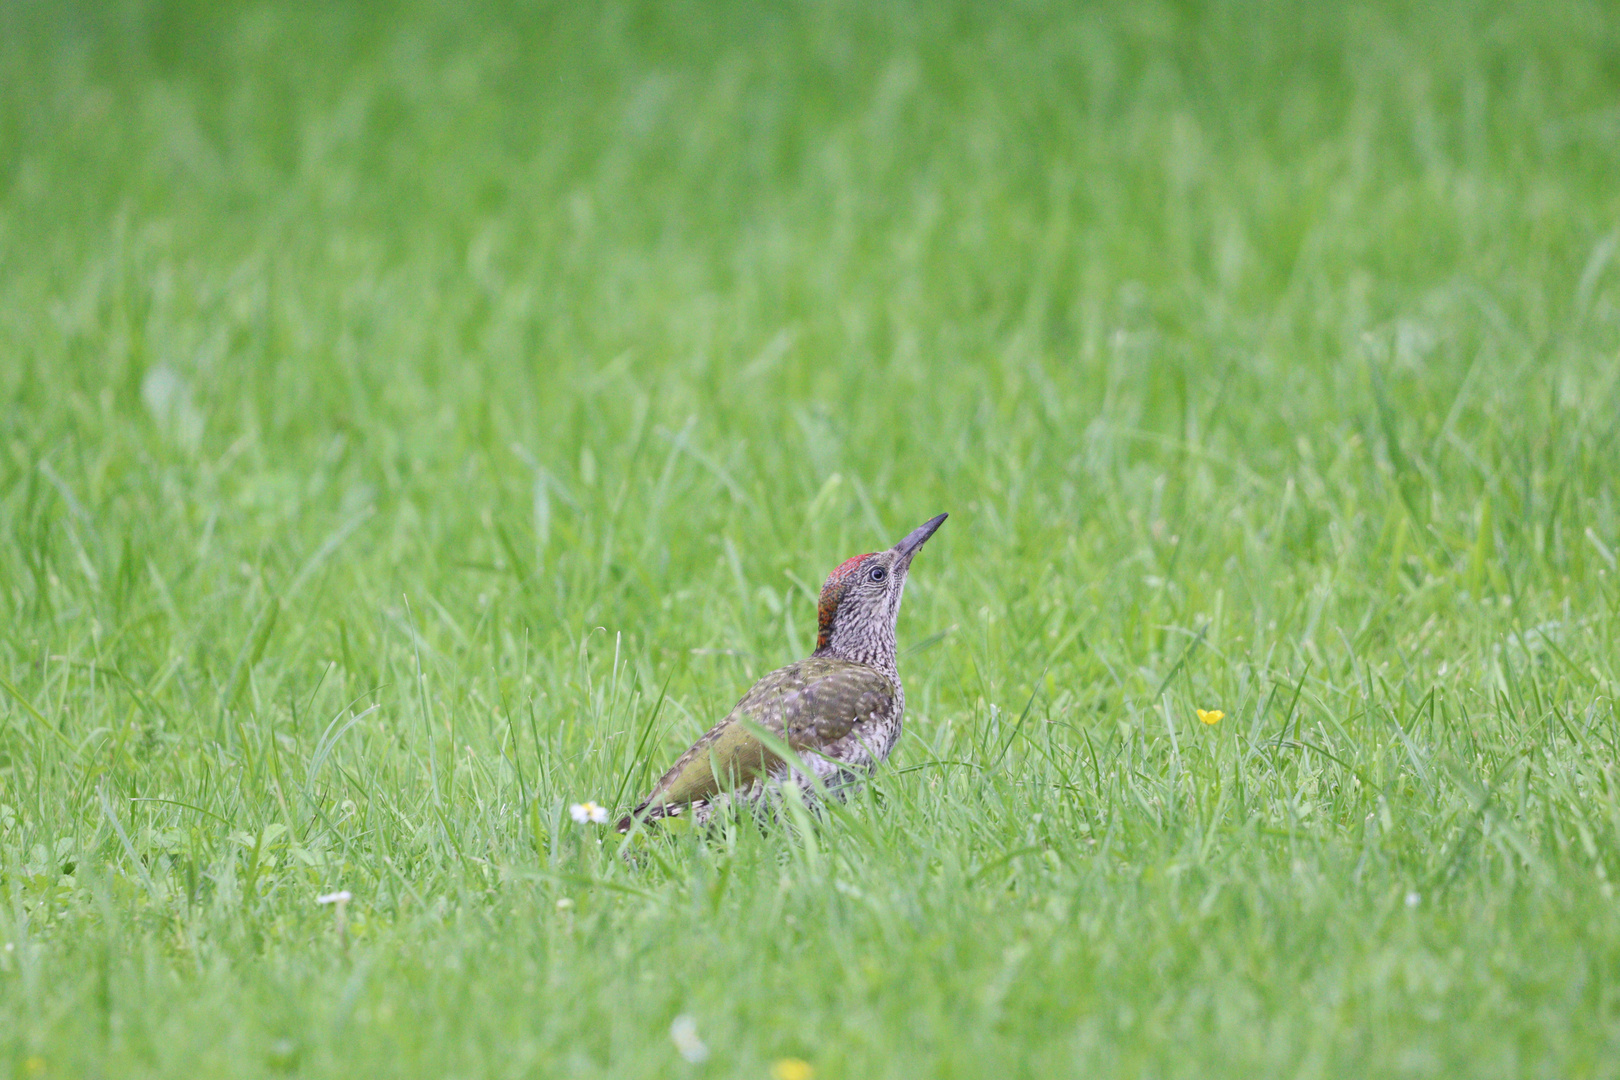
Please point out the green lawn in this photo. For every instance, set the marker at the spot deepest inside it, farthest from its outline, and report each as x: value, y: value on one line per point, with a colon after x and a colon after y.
x: 418, y: 420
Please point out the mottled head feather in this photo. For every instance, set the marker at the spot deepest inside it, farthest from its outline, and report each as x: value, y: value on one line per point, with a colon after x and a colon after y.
x: 831, y: 593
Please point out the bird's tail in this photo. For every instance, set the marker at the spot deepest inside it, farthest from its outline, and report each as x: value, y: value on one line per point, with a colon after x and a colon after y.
x: 649, y: 815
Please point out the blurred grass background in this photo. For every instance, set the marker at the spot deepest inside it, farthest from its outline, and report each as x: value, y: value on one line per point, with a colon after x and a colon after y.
x: 399, y: 401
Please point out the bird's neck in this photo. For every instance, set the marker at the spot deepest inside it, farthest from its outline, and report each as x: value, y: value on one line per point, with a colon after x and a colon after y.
x: 875, y: 650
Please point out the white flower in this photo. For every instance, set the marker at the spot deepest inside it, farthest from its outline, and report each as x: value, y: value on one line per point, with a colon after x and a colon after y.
x: 342, y: 896
x: 588, y: 811
x: 1413, y: 899
x: 683, y: 1033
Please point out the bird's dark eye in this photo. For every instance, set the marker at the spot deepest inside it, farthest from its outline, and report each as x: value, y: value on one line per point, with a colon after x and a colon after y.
x: 878, y: 573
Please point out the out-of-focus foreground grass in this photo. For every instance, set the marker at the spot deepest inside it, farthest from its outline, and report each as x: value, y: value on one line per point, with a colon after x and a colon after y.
x: 397, y: 403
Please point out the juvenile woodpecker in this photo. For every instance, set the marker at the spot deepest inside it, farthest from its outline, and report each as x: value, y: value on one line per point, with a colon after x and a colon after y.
x: 839, y: 710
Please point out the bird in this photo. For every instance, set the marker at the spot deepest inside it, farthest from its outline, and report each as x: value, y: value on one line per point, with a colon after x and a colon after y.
x: 839, y: 710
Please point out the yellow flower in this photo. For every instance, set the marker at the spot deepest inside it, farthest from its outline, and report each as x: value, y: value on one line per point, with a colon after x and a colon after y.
x: 1210, y: 716
x: 791, y: 1069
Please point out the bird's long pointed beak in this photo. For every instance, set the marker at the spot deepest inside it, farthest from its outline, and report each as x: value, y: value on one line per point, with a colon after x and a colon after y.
x: 918, y: 536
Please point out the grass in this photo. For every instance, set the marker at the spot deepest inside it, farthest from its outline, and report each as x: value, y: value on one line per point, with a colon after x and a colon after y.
x: 407, y: 412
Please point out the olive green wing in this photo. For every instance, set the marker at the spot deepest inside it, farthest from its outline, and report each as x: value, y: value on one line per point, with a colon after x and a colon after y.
x: 808, y: 705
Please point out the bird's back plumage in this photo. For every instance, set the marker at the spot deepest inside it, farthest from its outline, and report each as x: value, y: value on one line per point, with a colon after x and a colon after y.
x: 814, y: 707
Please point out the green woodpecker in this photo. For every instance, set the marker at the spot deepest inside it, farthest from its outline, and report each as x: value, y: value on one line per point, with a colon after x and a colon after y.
x: 839, y: 710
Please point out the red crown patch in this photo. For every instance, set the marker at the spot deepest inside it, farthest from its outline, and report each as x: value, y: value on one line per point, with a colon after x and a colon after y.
x: 847, y: 565
x: 831, y: 593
